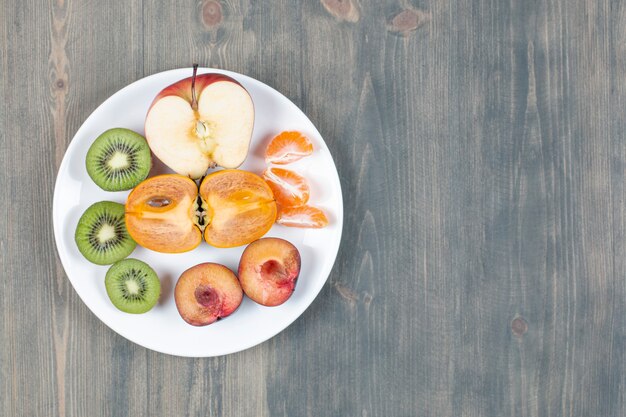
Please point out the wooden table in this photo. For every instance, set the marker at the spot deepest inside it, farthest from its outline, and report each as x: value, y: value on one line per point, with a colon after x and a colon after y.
x: 482, y: 152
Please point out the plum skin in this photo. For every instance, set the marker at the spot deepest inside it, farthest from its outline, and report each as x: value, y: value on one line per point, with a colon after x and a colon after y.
x: 269, y: 270
x: 206, y: 293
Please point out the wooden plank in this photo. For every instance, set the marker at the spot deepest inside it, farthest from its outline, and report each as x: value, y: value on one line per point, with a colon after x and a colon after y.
x: 6, y: 374
x: 481, y: 151
x: 63, y: 58
x: 366, y: 318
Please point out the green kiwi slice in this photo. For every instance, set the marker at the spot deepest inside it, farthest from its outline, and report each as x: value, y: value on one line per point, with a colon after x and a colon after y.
x: 132, y: 286
x: 118, y: 160
x: 101, y: 234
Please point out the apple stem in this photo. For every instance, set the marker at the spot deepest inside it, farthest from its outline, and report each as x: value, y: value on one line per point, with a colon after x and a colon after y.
x: 194, y: 100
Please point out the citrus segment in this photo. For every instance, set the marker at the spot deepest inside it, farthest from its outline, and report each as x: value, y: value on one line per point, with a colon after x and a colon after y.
x: 303, y: 216
x: 288, y: 147
x: 290, y: 189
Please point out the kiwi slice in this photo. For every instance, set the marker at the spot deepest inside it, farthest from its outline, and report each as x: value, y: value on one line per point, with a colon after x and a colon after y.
x: 132, y: 286
x: 101, y: 234
x: 118, y: 160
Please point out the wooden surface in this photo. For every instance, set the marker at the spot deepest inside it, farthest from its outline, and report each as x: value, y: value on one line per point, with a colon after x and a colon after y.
x: 482, y: 152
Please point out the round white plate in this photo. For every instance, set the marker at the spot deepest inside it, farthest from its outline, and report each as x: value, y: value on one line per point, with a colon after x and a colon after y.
x: 162, y: 329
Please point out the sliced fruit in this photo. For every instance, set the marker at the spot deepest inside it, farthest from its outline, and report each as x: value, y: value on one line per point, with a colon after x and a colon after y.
x: 206, y: 293
x: 268, y: 270
x: 161, y: 214
x: 132, y: 286
x: 201, y: 121
x: 101, y: 234
x: 288, y: 147
x: 302, y: 216
x: 165, y: 214
x: 118, y: 160
x: 240, y: 208
x: 290, y: 188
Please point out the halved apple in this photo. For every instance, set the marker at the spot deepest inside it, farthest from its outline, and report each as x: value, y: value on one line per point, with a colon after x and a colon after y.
x: 165, y: 213
x: 199, y: 122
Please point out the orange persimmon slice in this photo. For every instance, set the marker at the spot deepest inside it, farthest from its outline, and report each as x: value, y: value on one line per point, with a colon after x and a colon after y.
x: 240, y: 208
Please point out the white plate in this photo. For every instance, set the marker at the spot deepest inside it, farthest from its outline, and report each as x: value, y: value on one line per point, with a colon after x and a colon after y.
x: 162, y: 329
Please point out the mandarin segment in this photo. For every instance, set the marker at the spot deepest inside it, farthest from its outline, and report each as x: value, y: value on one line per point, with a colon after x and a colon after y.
x: 302, y: 216
x: 240, y: 208
x: 288, y: 147
x: 290, y: 188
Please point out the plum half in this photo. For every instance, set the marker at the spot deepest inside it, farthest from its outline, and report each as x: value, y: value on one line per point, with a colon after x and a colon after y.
x: 206, y: 293
x: 268, y: 270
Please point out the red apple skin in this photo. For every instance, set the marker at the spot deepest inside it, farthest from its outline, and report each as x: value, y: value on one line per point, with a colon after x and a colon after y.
x: 268, y: 271
x: 182, y: 88
x: 174, y: 138
x: 207, y: 292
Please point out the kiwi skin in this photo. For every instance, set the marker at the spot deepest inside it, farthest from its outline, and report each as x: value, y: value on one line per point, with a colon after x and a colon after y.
x: 132, y: 286
x: 110, y: 151
x: 104, y: 246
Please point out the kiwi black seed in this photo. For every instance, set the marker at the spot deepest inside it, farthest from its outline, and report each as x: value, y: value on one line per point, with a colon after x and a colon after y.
x: 132, y: 286
x: 118, y: 160
x: 101, y: 234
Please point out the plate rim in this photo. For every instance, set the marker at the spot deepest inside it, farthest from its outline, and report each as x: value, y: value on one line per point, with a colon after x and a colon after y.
x: 65, y: 258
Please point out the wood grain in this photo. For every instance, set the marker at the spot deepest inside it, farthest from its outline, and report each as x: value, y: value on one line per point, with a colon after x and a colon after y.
x: 481, y: 151
x: 6, y: 362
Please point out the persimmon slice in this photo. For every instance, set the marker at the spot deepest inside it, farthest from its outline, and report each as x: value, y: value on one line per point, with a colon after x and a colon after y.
x: 290, y: 189
x: 240, y: 208
x: 235, y: 207
x: 160, y: 214
x: 288, y: 147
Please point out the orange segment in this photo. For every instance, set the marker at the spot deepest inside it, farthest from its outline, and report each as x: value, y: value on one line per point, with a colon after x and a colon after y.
x: 303, y: 216
x: 288, y: 147
x: 290, y: 189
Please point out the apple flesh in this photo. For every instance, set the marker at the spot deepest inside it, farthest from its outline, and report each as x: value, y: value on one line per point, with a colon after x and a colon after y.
x: 268, y: 270
x: 199, y: 122
x: 206, y: 293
